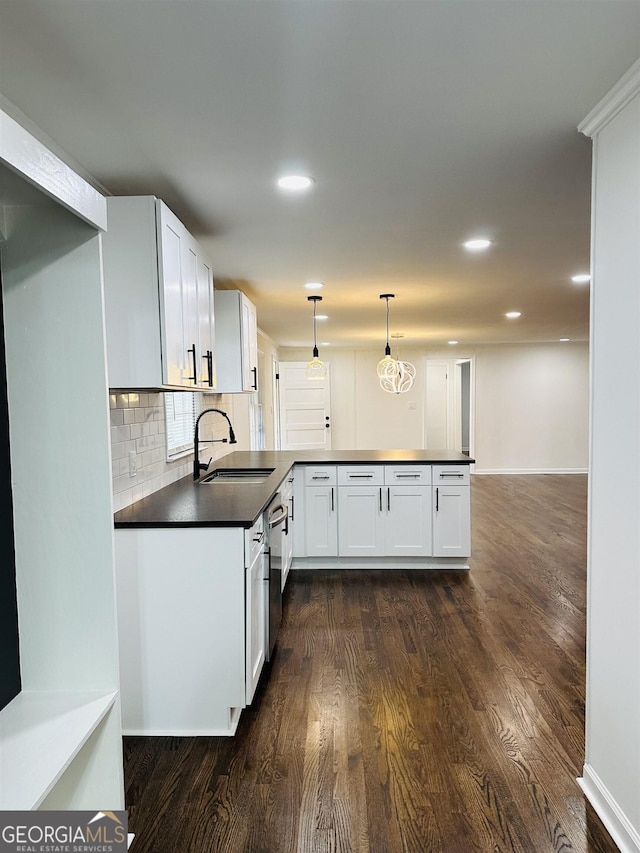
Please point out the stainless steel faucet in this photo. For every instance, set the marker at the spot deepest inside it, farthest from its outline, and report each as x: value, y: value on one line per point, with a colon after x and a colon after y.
x: 197, y: 465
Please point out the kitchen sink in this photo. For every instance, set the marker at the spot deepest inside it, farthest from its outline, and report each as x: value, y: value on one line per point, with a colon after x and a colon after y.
x: 237, y: 475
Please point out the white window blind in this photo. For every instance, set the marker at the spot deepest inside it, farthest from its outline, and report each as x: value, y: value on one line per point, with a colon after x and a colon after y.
x: 256, y: 426
x: 180, y: 417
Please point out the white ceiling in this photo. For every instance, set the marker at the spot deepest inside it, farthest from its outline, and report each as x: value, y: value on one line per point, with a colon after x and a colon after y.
x: 424, y: 123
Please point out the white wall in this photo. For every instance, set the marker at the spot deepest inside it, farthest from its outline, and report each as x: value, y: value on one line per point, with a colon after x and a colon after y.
x: 611, y: 776
x: 531, y: 404
x: 532, y: 408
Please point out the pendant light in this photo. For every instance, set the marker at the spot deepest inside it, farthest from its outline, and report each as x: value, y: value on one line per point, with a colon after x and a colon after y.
x: 396, y: 377
x: 387, y: 366
x: 316, y: 369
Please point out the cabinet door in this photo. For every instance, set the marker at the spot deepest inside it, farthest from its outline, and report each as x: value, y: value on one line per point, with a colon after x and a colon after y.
x: 451, y: 521
x: 191, y: 334
x: 360, y: 521
x: 186, y: 303
x: 256, y: 634
x: 172, y: 256
x: 321, y: 523
x: 408, y: 528
x: 249, y: 346
x: 206, y: 323
x: 287, y: 536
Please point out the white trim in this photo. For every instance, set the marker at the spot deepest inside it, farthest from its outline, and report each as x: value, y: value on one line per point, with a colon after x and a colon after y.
x: 42, y: 732
x: 34, y: 162
x: 498, y: 471
x: 616, y: 822
x: 615, y: 100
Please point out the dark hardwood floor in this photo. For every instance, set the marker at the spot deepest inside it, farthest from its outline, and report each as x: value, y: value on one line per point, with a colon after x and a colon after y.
x: 417, y: 712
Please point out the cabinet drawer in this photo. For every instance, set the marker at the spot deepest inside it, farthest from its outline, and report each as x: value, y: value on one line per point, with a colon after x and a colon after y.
x: 320, y: 475
x: 407, y: 475
x: 451, y: 474
x: 361, y: 475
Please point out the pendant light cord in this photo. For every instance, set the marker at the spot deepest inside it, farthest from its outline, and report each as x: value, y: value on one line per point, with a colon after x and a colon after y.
x: 315, y: 342
x: 387, y: 297
x: 315, y: 300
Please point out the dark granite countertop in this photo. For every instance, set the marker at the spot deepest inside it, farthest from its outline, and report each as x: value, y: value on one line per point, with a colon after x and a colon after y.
x: 186, y: 503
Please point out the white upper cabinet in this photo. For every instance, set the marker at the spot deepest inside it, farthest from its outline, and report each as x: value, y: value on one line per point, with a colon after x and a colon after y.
x: 159, y: 308
x: 236, y: 342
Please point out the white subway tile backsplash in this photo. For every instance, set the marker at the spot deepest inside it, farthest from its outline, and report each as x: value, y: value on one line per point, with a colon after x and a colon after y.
x: 138, y: 426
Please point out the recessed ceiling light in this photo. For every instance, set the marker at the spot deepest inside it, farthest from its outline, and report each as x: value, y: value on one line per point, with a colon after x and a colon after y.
x: 513, y: 315
x: 581, y: 278
x: 324, y: 343
x: 295, y: 182
x: 562, y: 340
x: 477, y: 244
x: 322, y: 316
x: 452, y: 343
x: 314, y: 285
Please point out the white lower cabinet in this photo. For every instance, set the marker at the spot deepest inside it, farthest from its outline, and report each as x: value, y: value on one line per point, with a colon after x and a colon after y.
x: 451, y: 521
x: 288, y: 500
x: 408, y: 528
x: 255, y: 614
x: 381, y: 518
x: 361, y: 521
x: 451, y: 511
x: 320, y: 521
x: 320, y: 511
x: 191, y: 627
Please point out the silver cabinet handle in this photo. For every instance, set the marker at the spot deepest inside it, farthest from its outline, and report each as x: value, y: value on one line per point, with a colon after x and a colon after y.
x: 454, y: 474
x: 318, y: 477
x: 274, y: 518
x: 408, y: 476
x: 360, y: 476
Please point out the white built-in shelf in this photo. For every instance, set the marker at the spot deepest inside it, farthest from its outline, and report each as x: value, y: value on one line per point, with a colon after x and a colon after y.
x: 41, y: 732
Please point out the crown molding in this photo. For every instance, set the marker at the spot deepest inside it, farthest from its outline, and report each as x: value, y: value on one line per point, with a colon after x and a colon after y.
x: 615, y: 100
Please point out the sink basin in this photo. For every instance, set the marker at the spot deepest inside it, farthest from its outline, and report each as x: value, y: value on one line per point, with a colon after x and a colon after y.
x: 237, y: 475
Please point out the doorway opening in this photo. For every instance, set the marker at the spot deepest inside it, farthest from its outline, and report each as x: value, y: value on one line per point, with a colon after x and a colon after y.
x: 449, y: 418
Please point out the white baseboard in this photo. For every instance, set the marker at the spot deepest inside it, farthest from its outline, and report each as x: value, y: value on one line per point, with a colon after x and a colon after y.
x: 618, y: 826
x: 531, y: 471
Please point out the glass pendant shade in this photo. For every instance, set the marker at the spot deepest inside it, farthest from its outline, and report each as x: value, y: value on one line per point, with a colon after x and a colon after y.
x: 395, y: 376
x: 315, y: 369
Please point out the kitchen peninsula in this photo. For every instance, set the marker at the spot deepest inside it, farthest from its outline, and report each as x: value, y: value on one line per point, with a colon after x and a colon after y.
x: 190, y: 565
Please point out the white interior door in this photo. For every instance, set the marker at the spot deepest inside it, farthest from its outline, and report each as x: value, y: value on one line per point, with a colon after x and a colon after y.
x: 436, y: 416
x: 305, y: 409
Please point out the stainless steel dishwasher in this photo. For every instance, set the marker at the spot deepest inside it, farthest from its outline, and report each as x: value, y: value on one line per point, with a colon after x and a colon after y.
x: 277, y: 526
